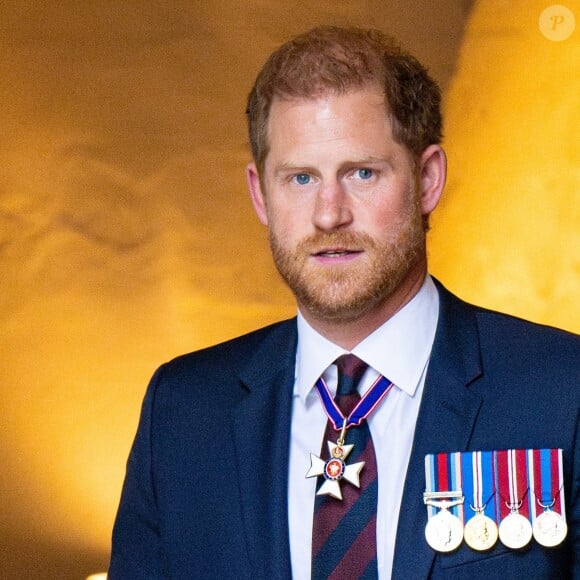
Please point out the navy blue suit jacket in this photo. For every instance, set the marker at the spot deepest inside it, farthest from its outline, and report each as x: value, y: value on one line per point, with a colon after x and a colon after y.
x: 205, y: 494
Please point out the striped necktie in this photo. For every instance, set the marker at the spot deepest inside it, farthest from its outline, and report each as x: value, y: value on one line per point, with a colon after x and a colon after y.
x: 344, y: 532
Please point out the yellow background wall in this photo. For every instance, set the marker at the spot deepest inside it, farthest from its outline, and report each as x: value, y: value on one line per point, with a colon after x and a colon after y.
x: 508, y: 232
x: 126, y: 236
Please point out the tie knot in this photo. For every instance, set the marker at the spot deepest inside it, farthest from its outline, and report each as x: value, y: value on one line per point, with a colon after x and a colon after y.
x: 350, y: 372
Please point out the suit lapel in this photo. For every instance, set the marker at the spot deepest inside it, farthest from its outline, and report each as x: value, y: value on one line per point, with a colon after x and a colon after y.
x: 446, y: 418
x: 261, y: 432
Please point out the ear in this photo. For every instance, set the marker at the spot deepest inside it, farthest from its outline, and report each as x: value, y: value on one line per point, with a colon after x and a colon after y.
x: 256, y: 193
x: 432, y: 175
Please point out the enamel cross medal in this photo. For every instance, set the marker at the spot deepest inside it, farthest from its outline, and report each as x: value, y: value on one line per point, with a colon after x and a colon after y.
x: 334, y: 468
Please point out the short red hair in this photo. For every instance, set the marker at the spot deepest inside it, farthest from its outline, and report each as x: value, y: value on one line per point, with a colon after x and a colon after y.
x: 337, y: 60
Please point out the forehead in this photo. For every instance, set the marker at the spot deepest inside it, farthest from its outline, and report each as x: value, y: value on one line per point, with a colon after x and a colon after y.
x: 363, y: 97
x: 358, y: 119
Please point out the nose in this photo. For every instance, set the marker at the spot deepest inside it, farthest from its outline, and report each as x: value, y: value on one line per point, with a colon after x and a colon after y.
x: 332, y: 210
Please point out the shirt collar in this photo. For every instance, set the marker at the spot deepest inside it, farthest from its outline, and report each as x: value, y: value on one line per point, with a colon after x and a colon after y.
x: 399, y: 349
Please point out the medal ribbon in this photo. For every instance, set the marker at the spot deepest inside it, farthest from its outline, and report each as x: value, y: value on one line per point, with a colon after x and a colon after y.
x: 363, y: 409
x: 547, y: 480
x: 512, y: 481
x: 443, y: 474
x: 478, y: 476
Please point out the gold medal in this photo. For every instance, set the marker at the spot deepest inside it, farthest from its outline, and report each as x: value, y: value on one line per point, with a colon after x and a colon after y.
x: 480, y: 532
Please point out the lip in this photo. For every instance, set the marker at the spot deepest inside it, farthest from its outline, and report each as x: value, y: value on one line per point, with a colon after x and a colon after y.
x: 336, y: 255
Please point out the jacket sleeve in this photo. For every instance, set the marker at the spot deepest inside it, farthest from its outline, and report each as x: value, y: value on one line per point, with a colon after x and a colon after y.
x: 136, y: 548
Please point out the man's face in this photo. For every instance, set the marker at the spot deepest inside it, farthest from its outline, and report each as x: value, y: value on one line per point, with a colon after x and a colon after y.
x: 340, y: 198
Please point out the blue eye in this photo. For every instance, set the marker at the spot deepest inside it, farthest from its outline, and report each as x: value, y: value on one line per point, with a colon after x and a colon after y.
x: 302, y: 179
x: 364, y: 173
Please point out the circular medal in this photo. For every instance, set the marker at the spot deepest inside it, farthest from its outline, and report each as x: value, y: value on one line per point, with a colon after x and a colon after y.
x: 515, y: 531
x: 444, y: 531
x: 550, y: 529
x: 334, y: 468
x: 480, y: 532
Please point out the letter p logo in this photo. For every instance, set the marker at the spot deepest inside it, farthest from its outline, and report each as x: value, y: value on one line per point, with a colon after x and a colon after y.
x: 557, y: 22
x: 557, y: 19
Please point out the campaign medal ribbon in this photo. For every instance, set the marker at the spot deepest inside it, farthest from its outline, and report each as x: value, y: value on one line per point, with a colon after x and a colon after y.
x: 478, y: 479
x: 547, y: 490
x: 515, y: 529
x: 335, y: 468
x: 444, y: 529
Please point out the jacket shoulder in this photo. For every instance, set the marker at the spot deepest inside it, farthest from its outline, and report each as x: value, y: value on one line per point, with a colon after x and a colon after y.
x: 512, y: 343
x: 519, y: 335
x: 235, y: 353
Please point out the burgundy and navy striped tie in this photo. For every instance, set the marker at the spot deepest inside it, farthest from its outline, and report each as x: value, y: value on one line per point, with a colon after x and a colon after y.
x: 344, y: 544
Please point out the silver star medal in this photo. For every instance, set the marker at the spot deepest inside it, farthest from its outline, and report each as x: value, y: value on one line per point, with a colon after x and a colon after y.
x: 334, y: 469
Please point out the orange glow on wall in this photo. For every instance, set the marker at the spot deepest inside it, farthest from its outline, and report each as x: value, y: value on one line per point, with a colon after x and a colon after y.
x: 508, y: 233
x: 127, y: 237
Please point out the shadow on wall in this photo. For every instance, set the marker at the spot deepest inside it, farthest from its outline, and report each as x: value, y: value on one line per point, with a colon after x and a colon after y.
x: 34, y: 558
x: 124, y: 223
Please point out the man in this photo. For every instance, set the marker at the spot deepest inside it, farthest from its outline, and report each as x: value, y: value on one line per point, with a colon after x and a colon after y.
x: 236, y: 472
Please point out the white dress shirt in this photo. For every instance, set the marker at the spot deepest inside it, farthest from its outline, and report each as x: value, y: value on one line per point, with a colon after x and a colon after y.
x: 400, y: 351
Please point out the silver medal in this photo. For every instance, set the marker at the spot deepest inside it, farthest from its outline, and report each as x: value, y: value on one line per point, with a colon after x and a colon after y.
x: 444, y: 531
x: 515, y: 531
x: 550, y: 529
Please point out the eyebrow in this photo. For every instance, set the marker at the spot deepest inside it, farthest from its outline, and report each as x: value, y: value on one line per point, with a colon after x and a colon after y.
x: 368, y: 160
x: 287, y: 166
